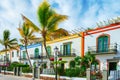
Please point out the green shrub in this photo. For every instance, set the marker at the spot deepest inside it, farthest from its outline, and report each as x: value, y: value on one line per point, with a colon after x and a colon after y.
x: 72, y: 72
x: 26, y: 70
x: 72, y: 64
x: 44, y: 65
x: 16, y: 64
x: 61, y: 71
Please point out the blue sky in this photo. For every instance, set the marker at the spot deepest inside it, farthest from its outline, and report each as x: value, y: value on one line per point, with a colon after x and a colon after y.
x: 82, y: 13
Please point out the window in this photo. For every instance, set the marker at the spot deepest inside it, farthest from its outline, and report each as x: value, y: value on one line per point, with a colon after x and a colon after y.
x: 36, y: 53
x: 12, y: 54
x: 61, y: 49
x: 49, y: 50
x: 24, y: 54
x: 102, y: 44
x: 67, y: 48
x: 7, y: 58
x: 17, y: 53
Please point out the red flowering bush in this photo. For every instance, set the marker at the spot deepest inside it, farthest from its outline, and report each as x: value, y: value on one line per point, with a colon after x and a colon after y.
x: 60, y: 59
x: 52, y: 59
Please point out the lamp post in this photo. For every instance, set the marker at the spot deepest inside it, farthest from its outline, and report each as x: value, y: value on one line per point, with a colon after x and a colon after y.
x: 4, y: 63
x: 55, y: 55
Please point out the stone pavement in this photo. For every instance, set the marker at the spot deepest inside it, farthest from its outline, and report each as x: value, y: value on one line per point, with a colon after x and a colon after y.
x: 11, y: 77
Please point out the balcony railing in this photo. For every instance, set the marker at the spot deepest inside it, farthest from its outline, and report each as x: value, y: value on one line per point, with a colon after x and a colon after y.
x: 23, y: 58
x: 111, y: 49
x: 67, y: 55
x: 1, y: 60
x: 37, y: 57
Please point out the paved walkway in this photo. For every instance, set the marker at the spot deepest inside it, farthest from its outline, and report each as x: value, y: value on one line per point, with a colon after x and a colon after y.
x: 10, y: 77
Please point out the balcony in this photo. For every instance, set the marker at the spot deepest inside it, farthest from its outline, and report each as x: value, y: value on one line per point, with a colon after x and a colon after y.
x: 37, y: 57
x: 23, y: 58
x: 67, y: 55
x: 1, y: 60
x: 112, y: 49
x: 7, y: 60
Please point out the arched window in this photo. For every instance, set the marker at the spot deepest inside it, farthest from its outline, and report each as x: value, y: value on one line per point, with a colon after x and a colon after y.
x: 49, y: 50
x: 24, y: 54
x: 102, y: 43
x: 12, y: 54
x: 36, y: 53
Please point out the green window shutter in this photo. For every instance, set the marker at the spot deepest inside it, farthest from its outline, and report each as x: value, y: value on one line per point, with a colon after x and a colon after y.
x: 102, y: 44
x: 7, y: 57
x: 12, y: 54
x: 61, y: 49
x: 24, y: 54
x: 17, y: 53
x: 67, y: 48
x: 36, y: 53
x: 49, y: 50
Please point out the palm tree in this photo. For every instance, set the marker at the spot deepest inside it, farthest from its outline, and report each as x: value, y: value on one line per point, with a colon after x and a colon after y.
x: 27, y: 36
x: 48, y: 20
x: 9, y: 44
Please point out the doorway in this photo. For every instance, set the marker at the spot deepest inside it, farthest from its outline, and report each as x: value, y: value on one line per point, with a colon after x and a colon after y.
x: 112, y: 66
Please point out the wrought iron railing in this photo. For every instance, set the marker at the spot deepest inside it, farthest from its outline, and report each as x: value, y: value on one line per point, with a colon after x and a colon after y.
x: 109, y: 49
x: 23, y: 58
x: 38, y: 57
x: 67, y: 55
x: 1, y: 60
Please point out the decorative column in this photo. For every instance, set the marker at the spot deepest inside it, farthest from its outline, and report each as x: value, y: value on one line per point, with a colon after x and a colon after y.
x: 33, y: 72
x: 39, y: 72
x: 88, y: 74
x: 20, y: 71
x: 105, y: 75
x: 17, y: 71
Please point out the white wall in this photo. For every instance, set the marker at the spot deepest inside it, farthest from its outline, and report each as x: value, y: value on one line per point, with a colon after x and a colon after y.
x: 31, y: 52
x: 75, y: 48
x: 15, y: 58
x: 75, y: 45
x: 114, y: 38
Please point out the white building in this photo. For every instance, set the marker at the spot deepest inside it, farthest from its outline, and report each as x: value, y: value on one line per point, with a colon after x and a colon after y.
x: 68, y: 47
x: 34, y: 51
x: 11, y: 56
x: 104, y: 42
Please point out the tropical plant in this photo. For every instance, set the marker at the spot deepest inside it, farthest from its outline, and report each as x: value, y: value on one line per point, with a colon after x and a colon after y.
x: 72, y: 72
x: 9, y: 44
x: 27, y: 36
x: 48, y: 20
x: 72, y: 64
x: 82, y: 63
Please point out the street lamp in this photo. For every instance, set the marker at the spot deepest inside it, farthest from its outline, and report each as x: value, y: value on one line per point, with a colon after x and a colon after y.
x: 55, y: 56
x: 4, y: 63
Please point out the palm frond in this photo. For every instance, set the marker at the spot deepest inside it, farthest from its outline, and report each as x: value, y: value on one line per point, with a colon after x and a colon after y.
x: 29, y: 23
x: 1, y: 42
x: 54, y: 21
x: 43, y: 10
x: 4, y: 50
x: 6, y: 35
x: 21, y: 32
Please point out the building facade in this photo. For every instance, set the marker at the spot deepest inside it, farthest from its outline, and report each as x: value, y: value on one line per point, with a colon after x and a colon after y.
x: 11, y: 56
x: 104, y: 43
x: 68, y: 48
x: 34, y: 52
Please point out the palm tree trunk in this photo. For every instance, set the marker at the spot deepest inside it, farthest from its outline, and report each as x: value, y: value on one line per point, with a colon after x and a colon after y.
x: 44, y: 43
x: 5, y: 58
x: 28, y: 56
